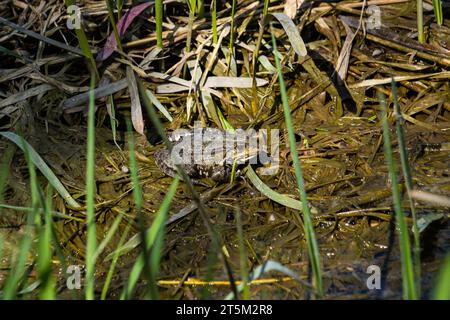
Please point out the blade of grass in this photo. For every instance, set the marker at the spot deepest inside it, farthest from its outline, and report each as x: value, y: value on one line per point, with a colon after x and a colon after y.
x: 111, y: 231
x: 270, y: 193
x: 409, y: 291
x: 155, y: 257
x: 408, y: 182
x: 112, y: 20
x: 192, y: 6
x: 152, y: 235
x: 113, y: 120
x: 47, y: 289
x: 214, y: 20
x: 84, y: 44
x: 114, y: 263
x: 138, y: 201
x: 313, y: 249
x: 242, y: 257
x: 12, y: 282
x: 266, y: 7
x: 159, y: 22
x: 119, y: 6
x: 201, y: 8
x: 90, y: 197
x: 442, y: 288
x: 420, y: 21
x: 437, y: 6
x: 42, y: 166
x: 28, y: 209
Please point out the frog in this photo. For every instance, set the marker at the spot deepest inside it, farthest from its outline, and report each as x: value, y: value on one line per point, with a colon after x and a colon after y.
x: 208, y: 153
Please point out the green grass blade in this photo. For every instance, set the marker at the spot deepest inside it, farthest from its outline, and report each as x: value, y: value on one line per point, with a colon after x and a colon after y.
x: 214, y: 19
x: 47, y: 290
x: 159, y: 22
x: 419, y: 6
x: 114, y: 263
x: 119, y: 6
x: 408, y: 183
x: 409, y: 291
x: 437, y: 6
x: 109, y: 235
x: 266, y: 7
x: 242, y: 257
x: 29, y: 209
x: 112, y: 20
x: 151, y: 236
x: 42, y: 166
x: 192, y: 7
x: 313, y: 249
x: 84, y: 44
x: 12, y: 282
x: 113, y: 120
x: 270, y: 193
x: 201, y: 8
x: 442, y: 288
x: 91, y: 247
x: 138, y: 200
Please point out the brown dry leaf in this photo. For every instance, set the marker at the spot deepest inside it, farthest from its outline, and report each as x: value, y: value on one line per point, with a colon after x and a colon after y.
x: 136, y: 108
x: 171, y: 88
x: 344, y: 56
x: 26, y: 94
x: 291, y: 7
x: 233, y: 82
x: 376, y: 82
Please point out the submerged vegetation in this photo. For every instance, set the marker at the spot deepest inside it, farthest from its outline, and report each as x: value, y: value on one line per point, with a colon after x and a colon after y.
x: 360, y: 94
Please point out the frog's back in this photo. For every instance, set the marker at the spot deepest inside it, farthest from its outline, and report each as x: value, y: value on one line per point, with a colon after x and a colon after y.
x: 205, y: 153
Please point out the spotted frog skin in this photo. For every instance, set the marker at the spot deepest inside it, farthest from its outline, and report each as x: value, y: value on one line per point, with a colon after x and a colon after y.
x: 215, y: 162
